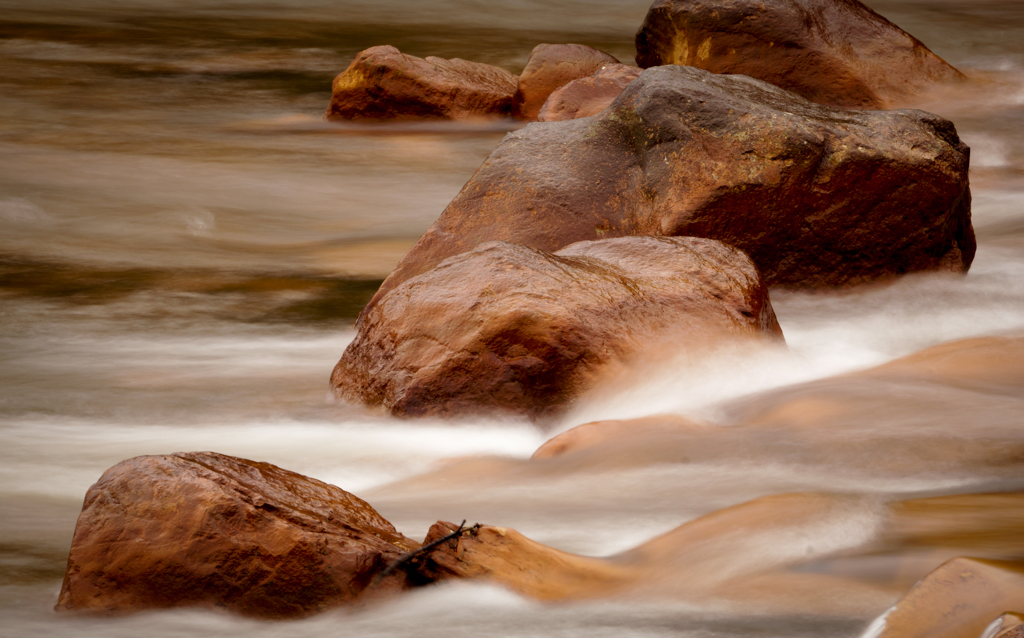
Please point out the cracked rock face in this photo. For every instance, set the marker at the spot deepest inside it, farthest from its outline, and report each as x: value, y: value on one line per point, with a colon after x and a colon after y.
x: 205, y: 529
x: 816, y: 196
x: 835, y: 52
x: 508, y: 329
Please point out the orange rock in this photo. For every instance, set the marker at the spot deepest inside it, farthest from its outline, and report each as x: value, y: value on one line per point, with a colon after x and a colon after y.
x: 588, y: 96
x: 552, y: 66
x: 617, y: 434
x: 206, y: 529
x: 1010, y: 625
x: 835, y: 52
x: 957, y: 600
x: 506, y: 557
x: 510, y: 329
x: 817, y: 197
x: 384, y: 84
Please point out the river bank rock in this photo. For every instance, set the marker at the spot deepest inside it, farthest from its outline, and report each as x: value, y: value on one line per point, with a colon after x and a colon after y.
x: 816, y: 196
x: 552, y: 66
x: 206, y: 529
x: 835, y: 52
x: 509, y: 329
x: 383, y: 83
x: 588, y: 96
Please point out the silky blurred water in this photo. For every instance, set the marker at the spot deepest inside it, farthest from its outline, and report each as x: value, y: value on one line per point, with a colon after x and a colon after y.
x: 184, y: 245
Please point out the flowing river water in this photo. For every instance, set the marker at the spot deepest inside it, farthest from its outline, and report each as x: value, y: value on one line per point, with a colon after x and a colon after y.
x: 184, y: 244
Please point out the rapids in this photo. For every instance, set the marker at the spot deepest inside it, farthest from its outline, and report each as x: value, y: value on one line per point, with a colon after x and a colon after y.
x: 184, y: 244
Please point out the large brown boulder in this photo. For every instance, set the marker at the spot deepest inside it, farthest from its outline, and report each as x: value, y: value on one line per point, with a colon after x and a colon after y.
x: 588, y: 96
x: 383, y: 83
x: 835, y: 52
x: 551, y: 66
x: 504, y: 328
x: 206, y: 529
x: 816, y: 196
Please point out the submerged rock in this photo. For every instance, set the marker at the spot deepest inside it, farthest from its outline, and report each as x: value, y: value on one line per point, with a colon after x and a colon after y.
x: 835, y: 52
x: 588, y: 96
x: 206, y: 529
x: 551, y: 66
x: 506, y: 557
x: 957, y: 600
x: 815, y: 195
x: 906, y: 418
x: 383, y: 83
x: 511, y: 329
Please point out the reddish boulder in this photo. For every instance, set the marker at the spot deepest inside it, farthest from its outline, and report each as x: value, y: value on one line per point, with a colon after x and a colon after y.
x: 816, y: 196
x: 505, y: 328
x: 588, y: 96
x: 206, y: 529
x: 835, y: 52
x: 551, y: 66
x: 383, y: 84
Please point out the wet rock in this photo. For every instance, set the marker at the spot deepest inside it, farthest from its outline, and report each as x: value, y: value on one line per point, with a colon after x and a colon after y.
x: 506, y: 557
x: 588, y: 96
x: 510, y: 329
x: 206, y: 529
x: 835, y: 52
x: 384, y: 84
x: 615, y: 436
x: 713, y: 559
x: 957, y: 600
x: 906, y: 418
x: 816, y: 196
x: 551, y: 66
x: 1009, y: 625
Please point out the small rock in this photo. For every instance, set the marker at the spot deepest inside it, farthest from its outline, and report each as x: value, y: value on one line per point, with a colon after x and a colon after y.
x: 383, y: 83
x: 551, y: 66
x: 588, y: 96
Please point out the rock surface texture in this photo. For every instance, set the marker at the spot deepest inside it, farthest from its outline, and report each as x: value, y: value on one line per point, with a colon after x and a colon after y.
x: 510, y: 329
x: 551, y: 66
x: 816, y: 196
x: 957, y: 600
x: 588, y: 96
x: 835, y: 52
x: 206, y: 529
x: 382, y: 83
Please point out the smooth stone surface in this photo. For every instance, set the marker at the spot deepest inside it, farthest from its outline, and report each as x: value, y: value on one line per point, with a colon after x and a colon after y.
x: 552, y: 66
x: 205, y: 529
x: 514, y: 330
x: 835, y: 52
x: 957, y: 600
x: 818, y: 197
x: 383, y: 83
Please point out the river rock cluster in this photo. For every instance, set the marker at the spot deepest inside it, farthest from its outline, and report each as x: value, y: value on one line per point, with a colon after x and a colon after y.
x: 645, y: 209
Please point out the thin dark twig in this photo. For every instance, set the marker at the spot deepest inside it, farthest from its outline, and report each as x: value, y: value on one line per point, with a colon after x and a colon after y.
x: 416, y: 552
